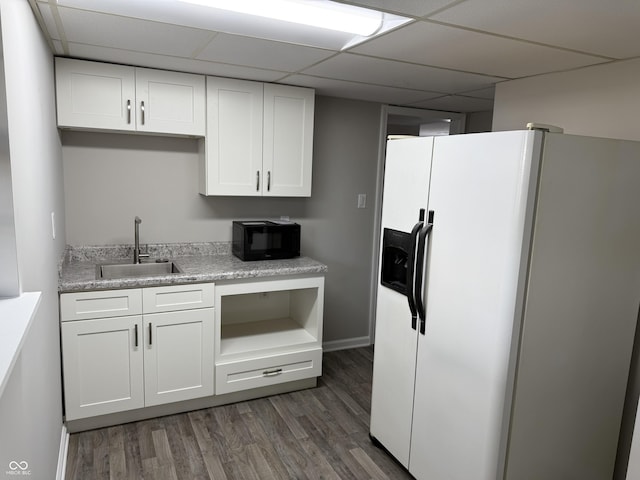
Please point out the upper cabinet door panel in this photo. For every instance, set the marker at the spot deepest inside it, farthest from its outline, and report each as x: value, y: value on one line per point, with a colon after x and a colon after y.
x: 288, y: 140
x: 95, y: 95
x: 170, y: 102
x: 234, y: 138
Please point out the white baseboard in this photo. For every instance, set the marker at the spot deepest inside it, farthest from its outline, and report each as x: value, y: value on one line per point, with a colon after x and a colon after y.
x: 346, y: 343
x: 62, y: 454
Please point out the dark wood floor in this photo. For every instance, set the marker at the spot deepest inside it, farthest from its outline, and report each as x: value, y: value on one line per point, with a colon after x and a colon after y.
x: 320, y: 433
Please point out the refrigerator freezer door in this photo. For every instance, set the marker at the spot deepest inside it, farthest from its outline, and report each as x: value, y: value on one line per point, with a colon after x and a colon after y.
x: 406, y: 181
x: 481, y: 187
x: 406, y: 189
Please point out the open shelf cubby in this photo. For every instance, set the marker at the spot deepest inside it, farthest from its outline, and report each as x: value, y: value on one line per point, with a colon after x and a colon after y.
x: 269, y: 316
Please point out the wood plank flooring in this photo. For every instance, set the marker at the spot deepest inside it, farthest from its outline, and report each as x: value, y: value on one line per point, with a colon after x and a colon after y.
x: 319, y: 433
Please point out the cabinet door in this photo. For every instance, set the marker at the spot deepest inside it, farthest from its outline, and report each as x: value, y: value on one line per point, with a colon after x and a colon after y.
x: 170, y: 102
x: 178, y: 355
x: 288, y: 141
x: 102, y: 365
x: 233, y: 159
x: 95, y: 95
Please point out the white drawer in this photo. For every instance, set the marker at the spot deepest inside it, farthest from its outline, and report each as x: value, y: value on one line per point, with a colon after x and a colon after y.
x: 177, y: 297
x: 264, y: 371
x: 100, y: 304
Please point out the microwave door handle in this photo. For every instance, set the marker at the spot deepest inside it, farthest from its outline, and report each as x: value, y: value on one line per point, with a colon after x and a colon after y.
x: 411, y: 263
x: 419, y: 275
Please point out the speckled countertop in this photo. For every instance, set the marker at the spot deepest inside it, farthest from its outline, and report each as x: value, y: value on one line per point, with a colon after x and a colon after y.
x: 199, y: 262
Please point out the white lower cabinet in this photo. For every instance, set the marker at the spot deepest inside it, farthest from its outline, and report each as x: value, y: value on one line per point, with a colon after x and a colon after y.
x: 103, y: 366
x: 134, y: 348
x: 268, y: 332
x: 119, y: 363
x: 178, y: 356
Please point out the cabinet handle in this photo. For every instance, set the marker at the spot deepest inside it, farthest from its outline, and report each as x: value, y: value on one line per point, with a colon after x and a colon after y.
x: 136, y: 334
x: 258, y: 181
x: 150, y: 334
x: 142, y: 111
x: 129, y: 111
x: 272, y: 373
x: 269, y: 181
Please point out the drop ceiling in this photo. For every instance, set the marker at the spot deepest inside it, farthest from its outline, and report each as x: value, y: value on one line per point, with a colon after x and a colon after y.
x: 449, y: 57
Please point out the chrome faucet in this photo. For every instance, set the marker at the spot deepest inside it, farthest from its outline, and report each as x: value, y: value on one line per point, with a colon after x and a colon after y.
x: 136, y: 236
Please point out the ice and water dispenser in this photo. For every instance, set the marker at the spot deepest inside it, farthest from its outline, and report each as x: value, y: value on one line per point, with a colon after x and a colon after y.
x: 396, y: 246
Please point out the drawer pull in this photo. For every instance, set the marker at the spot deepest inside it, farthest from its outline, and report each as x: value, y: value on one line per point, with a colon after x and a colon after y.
x: 272, y: 373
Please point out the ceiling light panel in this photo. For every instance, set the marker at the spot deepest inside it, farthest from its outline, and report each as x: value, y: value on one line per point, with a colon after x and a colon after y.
x: 313, y: 13
x: 212, y: 16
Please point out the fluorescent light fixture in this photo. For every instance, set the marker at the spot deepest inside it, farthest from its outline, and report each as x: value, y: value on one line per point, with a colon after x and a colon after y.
x: 313, y: 23
x: 315, y: 13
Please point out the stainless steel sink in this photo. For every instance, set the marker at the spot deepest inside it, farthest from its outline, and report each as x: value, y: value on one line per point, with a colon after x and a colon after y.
x: 127, y: 270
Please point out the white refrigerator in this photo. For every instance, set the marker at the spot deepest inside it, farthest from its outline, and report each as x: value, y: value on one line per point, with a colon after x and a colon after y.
x: 519, y: 253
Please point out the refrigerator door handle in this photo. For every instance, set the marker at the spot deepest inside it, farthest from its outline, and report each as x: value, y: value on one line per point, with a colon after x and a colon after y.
x: 411, y: 263
x: 419, y: 274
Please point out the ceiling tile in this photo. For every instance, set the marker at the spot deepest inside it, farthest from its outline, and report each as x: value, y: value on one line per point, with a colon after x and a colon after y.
x: 599, y: 27
x: 359, y: 91
x: 358, y: 68
x: 412, y: 8
x: 130, y: 34
x: 487, y: 93
x: 463, y: 48
x: 172, y: 63
x: 456, y: 103
x: 238, y: 50
x: 460, y: 49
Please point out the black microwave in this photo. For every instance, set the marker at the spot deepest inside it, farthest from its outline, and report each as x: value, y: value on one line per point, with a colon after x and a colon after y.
x: 265, y: 240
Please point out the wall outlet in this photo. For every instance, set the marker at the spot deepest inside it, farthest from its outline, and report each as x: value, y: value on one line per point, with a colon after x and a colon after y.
x: 362, y: 200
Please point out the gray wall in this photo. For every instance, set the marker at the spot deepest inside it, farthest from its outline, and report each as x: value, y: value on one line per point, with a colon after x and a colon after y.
x: 600, y: 101
x: 347, y: 137
x: 9, y: 283
x: 31, y: 406
x: 110, y: 178
x: 479, y: 122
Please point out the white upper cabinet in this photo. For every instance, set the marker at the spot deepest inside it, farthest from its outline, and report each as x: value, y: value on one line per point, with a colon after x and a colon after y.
x: 233, y: 157
x: 288, y: 141
x: 170, y: 102
x: 259, y: 139
x: 95, y: 95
